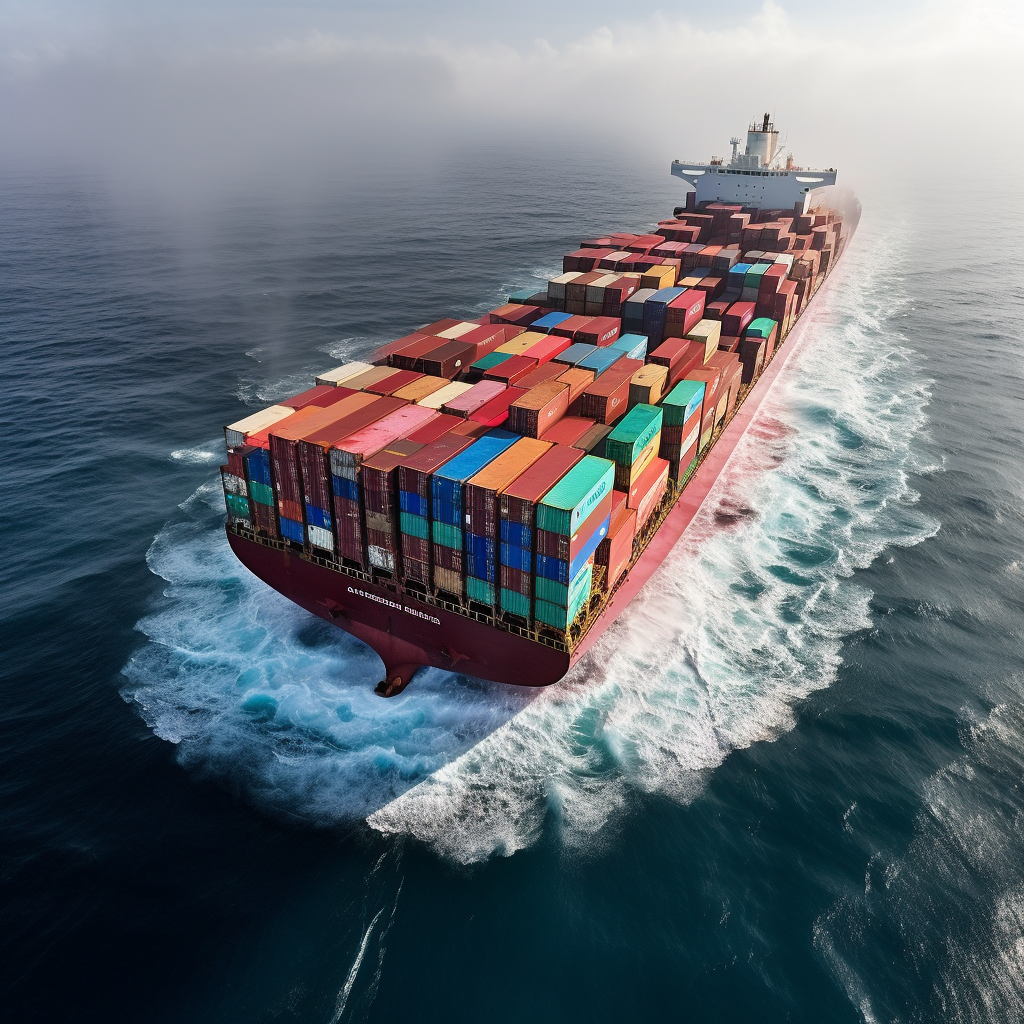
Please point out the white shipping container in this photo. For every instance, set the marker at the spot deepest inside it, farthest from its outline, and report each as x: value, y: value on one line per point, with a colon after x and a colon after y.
x: 235, y: 433
x: 445, y: 394
x: 320, y: 538
x: 458, y: 331
x: 340, y: 374
x: 235, y: 485
x: 786, y: 258
x: 556, y: 286
x: 381, y: 558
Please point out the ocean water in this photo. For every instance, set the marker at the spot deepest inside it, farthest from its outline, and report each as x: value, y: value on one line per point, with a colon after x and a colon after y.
x: 784, y: 786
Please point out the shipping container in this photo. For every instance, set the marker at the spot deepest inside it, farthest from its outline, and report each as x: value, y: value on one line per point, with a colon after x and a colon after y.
x: 450, y: 391
x: 634, y: 442
x: 469, y: 401
x: 568, y: 430
x: 448, y: 481
x: 342, y: 374
x: 633, y: 346
x: 423, y: 386
x: 592, y: 440
x: 572, y: 499
x: 539, y: 408
x: 348, y: 455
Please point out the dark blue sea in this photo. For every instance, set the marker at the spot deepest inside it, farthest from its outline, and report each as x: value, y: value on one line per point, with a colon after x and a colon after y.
x: 786, y: 786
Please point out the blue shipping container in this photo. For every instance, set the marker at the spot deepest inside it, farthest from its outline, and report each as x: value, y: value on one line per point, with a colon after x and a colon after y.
x: 545, y: 323
x: 516, y: 557
x: 600, y: 360
x: 575, y: 353
x: 257, y: 464
x: 560, y: 571
x: 446, y: 483
x: 292, y: 530
x: 516, y: 533
x: 318, y: 517
x: 345, y: 488
x: 632, y: 346
x: 410, y: 501
x: 481, y: 547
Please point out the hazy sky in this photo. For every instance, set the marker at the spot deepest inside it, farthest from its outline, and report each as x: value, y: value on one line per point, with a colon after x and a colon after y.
x: 200, y: 90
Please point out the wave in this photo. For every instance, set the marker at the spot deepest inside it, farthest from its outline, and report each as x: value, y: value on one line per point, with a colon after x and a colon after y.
x: 745, y: 619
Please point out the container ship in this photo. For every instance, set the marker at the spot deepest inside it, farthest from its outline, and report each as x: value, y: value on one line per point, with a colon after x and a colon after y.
x: 486, y: 496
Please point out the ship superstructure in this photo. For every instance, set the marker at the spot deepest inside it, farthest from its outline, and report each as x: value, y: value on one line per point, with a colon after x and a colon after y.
x: 486, y: 496
x: 763, y: 175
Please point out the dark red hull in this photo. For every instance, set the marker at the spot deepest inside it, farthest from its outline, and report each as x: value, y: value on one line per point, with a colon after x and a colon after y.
x: 409, y: 633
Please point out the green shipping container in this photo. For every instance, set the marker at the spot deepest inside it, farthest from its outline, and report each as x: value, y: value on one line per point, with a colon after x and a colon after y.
x: 414, y: 526
x: 633, y: 433
x: 262, y: 493
x: 752, y: 278
x: 565, y: 596
x: 762, y: 327
x: 238, y: 506
x: 515, y: 603
x: 574, y: 497
x: 448, y: 535
x: 559, y: 616
x: 484, y: 363
x: 480, y: 591
x: 682, y: 402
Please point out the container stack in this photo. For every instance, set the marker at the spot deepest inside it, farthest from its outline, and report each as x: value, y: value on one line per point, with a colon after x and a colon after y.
x: 514, y: 464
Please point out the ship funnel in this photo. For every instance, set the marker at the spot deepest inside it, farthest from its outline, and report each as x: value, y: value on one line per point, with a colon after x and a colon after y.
x: 764, y: 127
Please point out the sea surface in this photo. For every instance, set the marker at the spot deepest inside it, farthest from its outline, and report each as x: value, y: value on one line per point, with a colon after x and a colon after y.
x: 786, y: 785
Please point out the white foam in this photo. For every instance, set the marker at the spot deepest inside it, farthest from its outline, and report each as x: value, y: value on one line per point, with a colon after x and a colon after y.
x: 738, y: 625
x: 200, y: 455
x: 744, y: 619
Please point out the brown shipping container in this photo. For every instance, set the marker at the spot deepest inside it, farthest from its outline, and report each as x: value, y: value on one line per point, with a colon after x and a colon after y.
x: 448, y: 558
x: 592, y: 439
x: 518, y: 501
x: 389, y: 385
x: 349, y: 530
x: 423, y: 385
x: 516, y: 580
x: 481, y: 491
x: 415, y: 548
x: 414, y: 345
x: 540, y: 408
x: 415, y: 571
x: 447, y: 360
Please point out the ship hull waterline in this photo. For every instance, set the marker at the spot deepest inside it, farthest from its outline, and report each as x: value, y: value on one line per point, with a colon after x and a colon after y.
x: 409, y: 633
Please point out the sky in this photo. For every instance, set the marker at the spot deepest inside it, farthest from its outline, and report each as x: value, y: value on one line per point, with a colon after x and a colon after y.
x: 191, y: 92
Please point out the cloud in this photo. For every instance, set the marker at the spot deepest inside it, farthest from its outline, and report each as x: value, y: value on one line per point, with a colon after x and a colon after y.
x: 898, y: 89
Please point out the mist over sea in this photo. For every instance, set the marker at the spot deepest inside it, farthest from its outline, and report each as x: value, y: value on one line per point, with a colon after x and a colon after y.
x: 785, y: 785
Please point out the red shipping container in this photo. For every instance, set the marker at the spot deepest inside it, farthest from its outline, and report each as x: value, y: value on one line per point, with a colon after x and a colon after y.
x: 512, y: 370
x: 448, y: 558
x: 321, y: 396
x: 264, y: 518
x: 349, y: 530
x: 727, y: 343
x: 518, y: 501
x: 737, y: 318
x: 495, y: 412
x: 447, y: 360
x: 602, y: 330
x: 607, y: 399
x: 568, y: 430
x: 544, y: 372
x: 653, y: 482
x: 415, y: 571
x: 684, y: 312
x: 578, y: 380
x: 680, y: 356
x: 434, y: 429
x: 717, y: 309
x: 546, y: 350
x: 568, y: 328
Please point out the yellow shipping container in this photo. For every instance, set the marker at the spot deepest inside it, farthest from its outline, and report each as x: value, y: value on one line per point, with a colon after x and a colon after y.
x: 658, y: 277
x: 709, y: 334
x: 647, y: 385
x: 521, y: 343
x: 445, y: 394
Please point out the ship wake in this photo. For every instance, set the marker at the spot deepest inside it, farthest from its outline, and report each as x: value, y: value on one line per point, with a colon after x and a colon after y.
x: 746, y: 618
